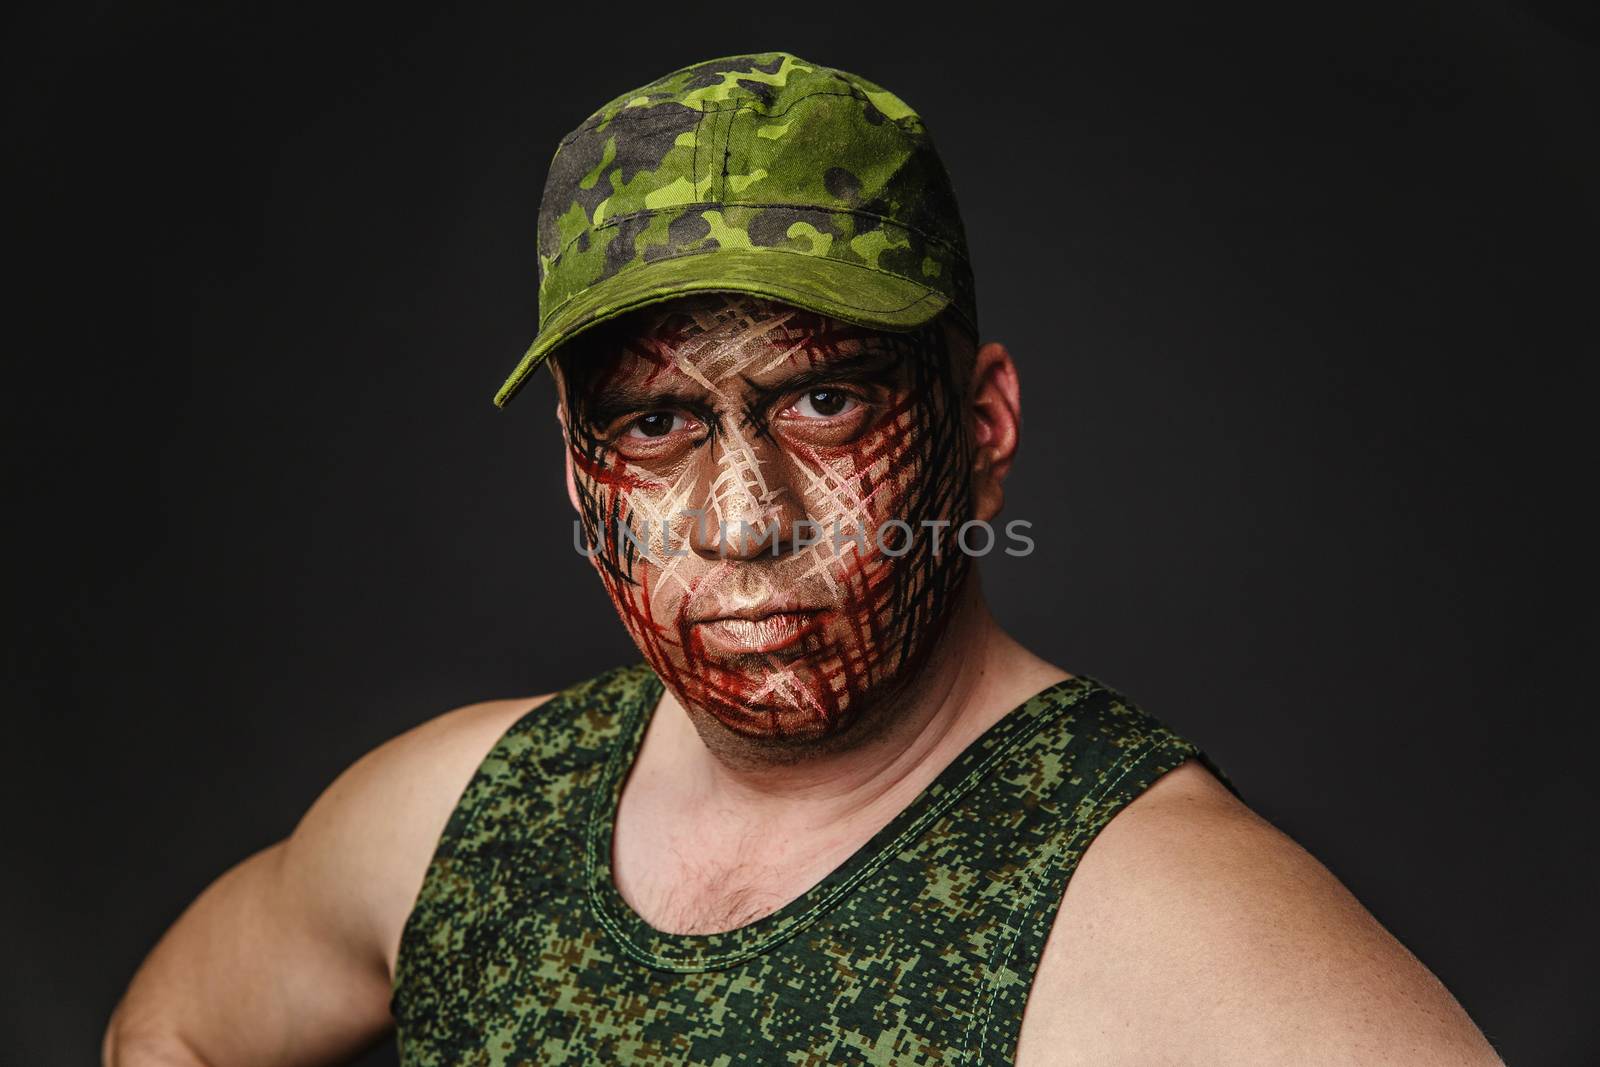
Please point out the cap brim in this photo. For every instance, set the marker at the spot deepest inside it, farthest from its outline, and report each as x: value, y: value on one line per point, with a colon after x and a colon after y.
x: 853, y: 292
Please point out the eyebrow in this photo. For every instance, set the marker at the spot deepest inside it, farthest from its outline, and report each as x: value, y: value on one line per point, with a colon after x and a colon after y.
x: 875, y: 367
x: 615, y: 402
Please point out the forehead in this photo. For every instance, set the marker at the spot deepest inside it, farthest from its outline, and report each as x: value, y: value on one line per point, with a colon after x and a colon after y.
x: 718, y: 341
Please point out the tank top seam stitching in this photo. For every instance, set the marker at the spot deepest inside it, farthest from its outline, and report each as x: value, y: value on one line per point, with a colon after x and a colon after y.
x: 792, y: 926
x: 1034, y: 885
x: 466, y: 829
x: 877, y: 861
x: 512, y: 733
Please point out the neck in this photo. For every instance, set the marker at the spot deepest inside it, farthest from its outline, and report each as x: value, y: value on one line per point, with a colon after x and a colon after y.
x: 972, y: 677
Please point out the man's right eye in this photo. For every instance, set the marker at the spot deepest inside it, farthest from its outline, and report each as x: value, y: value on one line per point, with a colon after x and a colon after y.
x: 655, y: 424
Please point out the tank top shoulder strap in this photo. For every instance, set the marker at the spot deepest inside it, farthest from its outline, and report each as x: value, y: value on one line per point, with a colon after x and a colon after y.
x: 1093, y: 753
x: 517, y: 805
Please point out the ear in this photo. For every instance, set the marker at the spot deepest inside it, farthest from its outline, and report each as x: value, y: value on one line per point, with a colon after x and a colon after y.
x: 996, y: 406
x: 566, y: 455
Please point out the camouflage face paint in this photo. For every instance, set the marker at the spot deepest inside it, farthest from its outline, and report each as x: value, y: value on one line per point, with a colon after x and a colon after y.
x: 770, y: 421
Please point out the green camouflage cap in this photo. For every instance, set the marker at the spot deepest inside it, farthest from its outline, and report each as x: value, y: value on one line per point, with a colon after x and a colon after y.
x: 761, y: 174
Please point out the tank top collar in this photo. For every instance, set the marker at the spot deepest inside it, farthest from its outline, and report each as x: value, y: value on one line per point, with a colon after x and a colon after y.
x: 687, y: 953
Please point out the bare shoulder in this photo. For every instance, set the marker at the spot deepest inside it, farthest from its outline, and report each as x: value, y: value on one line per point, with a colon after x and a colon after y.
x: 1194, y: 931
x: 365, y: 844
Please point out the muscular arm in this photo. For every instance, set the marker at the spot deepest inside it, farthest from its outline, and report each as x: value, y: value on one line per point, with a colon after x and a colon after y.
x: 1195, y: 932
x: 286, y: 959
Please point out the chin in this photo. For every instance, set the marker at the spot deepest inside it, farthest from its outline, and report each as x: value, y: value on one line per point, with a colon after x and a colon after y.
x: 763, y: 697
x: 781, y: 702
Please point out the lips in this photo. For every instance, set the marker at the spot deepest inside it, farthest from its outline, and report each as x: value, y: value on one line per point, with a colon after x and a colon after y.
x: 752, y: 633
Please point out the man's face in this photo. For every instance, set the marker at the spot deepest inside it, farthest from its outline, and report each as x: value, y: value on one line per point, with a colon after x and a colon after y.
x: 734, y: 461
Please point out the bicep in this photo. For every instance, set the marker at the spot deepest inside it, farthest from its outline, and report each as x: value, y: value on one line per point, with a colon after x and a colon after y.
x: 249, y: 976
x: 286, y: 959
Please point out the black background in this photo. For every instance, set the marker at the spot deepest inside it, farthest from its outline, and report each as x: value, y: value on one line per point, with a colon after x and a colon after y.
x: 1302, y: 299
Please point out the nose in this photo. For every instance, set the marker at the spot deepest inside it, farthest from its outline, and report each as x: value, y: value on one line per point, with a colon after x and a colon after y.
x: 749, y: 508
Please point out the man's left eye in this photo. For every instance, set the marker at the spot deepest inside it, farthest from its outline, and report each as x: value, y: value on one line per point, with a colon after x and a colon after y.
x: 824, y: 404
x: 655, y: 424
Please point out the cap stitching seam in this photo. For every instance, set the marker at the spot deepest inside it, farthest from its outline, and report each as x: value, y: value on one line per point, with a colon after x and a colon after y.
x: 597, y: 121
x: 694, y: 176
x: 613, y: 221
x: 555, y: 311
x: 727, y: 150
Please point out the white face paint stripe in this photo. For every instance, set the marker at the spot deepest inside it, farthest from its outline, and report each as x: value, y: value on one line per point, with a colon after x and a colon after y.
x: 783, y: 357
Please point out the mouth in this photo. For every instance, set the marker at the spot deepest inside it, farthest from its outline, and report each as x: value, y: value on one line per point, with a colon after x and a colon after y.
x: 754, y: 634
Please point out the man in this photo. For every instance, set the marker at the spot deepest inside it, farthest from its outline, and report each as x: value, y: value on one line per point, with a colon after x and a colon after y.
x: 838, y: 815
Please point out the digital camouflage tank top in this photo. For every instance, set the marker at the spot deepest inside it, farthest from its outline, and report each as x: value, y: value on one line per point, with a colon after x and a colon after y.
x: 919, y: 949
